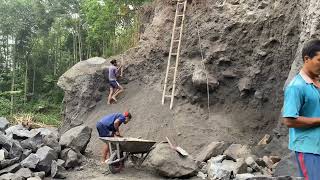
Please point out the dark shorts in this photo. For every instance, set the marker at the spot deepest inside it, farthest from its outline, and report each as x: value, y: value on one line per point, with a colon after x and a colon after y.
x: 114, y: 84
x: 103, y: 131
x: 309, y: 165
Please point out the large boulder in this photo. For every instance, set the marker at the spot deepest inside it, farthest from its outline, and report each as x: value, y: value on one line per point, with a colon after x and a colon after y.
x: 212, y: 150
x: 46, y: 156
x: 83, y: 88
x: 4, y: 124
x: 76, y: 138
x: 169, y: 163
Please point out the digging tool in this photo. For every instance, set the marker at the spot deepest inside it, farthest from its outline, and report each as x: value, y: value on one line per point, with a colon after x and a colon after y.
x: 177, y: 148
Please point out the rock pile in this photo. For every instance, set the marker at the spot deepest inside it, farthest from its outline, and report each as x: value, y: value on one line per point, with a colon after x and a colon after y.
x: 223, y: 161
x: 36, y: 153
x: 220, y: 160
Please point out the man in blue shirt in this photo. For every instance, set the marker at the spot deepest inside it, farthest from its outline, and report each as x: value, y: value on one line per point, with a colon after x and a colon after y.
x: 301, y: 112
x: 108, y: 126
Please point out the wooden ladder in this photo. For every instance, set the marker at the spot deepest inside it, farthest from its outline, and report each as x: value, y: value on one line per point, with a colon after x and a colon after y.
x: 174, y: 51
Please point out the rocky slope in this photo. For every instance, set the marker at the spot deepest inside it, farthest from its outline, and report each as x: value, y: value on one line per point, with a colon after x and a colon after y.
x: 249, y: 48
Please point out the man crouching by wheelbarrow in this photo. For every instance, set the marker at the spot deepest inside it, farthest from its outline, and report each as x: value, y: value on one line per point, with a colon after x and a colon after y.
x: 108, y: 126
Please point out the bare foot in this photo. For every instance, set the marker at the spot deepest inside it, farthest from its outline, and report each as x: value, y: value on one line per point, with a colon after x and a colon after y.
x: 114, y: 99
x: 108, y: 103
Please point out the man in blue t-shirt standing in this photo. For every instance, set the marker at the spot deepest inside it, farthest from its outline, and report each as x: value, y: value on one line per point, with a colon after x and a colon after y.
x: 108, y: 126
x: 301, y: 112
x: 115, y: 87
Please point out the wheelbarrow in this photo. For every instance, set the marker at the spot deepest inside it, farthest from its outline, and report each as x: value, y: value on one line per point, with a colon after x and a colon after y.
x: 122, y: 149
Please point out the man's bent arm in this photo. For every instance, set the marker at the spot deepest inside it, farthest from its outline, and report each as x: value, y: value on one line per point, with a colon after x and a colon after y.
x: 301, y: 122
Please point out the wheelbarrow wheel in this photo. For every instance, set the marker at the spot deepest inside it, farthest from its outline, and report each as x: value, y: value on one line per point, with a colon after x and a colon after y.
x: 116, y: 167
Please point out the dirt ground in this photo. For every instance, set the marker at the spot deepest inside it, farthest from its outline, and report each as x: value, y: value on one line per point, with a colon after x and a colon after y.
x: 94, y: 170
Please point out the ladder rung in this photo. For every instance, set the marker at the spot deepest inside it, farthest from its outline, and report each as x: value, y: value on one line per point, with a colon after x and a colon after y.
x: 172, y: 67
x: 176, y: 40
x: 178, y: 27
x: 180, y: 3
x: 174, y: 54
x: 180, y: 15
x: 168, y: 96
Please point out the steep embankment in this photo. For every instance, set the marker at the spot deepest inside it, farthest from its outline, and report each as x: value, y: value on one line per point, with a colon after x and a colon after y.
x: 248, y: 46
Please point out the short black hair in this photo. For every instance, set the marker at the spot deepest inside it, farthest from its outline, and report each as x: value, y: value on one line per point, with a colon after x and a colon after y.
x: 129, y: 115
x: 113, y: 62
x: 311, y: 48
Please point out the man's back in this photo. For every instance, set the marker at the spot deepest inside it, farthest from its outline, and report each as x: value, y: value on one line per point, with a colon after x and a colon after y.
x: 108, y: 120
x: 112, y: 73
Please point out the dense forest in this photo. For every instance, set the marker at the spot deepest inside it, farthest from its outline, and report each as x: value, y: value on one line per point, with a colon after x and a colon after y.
x: 41, y: 39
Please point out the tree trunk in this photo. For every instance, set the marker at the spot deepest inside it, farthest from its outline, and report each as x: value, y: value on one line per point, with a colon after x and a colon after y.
x: 13, y: 82
x: 79, y: 39
x: 33, y: 78
x: 26, y: 81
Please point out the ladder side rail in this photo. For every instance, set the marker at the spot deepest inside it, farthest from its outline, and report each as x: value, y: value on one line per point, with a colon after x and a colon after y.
x: 178, y: 54
x: 170, y: 54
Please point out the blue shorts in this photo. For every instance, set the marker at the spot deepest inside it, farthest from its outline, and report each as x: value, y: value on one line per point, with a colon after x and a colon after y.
x: 102, y: 130
x: 309, y: 165
x: 114, y: 84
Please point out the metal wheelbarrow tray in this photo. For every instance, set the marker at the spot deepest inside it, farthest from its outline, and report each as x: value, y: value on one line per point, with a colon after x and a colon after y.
x: 132, y: 145
x: 123, y: 148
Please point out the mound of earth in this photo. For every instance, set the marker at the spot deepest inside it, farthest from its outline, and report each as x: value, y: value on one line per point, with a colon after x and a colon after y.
x: 249, y: 49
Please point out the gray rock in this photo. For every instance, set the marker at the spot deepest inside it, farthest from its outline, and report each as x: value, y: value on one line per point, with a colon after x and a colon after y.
x: 2, y: 155
x: 71, y: 158
x: 26, y: 153
x: 236, y: 151
x: 51, y: 141
x: 31, y: 161
x: 46, y: 156
x: 4, y: 124
x: 8, y: 162
x: 56, y: 170
x: 228, y: 74
x: 5, y: 141
x: 287, y: 166
x: 11, y: 169
x: 244, y: 176
x: 10, y: 176
x: 169, y: 163
x: 244, y: 84
x: 202, y: 175
x: 40, y: 174
x: 15, y: 150
x: 18, y: 132
x: 199, y: 80
x: 24, y: 172
x: 33, y: 143
x: 213, y: 149
x: 216, y: 170
x: 35, y: 178
x: 81, y: 84
x: 61, y: 162
x: 251, y: 163
x: 76, y: 138
x: 47, y: 132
